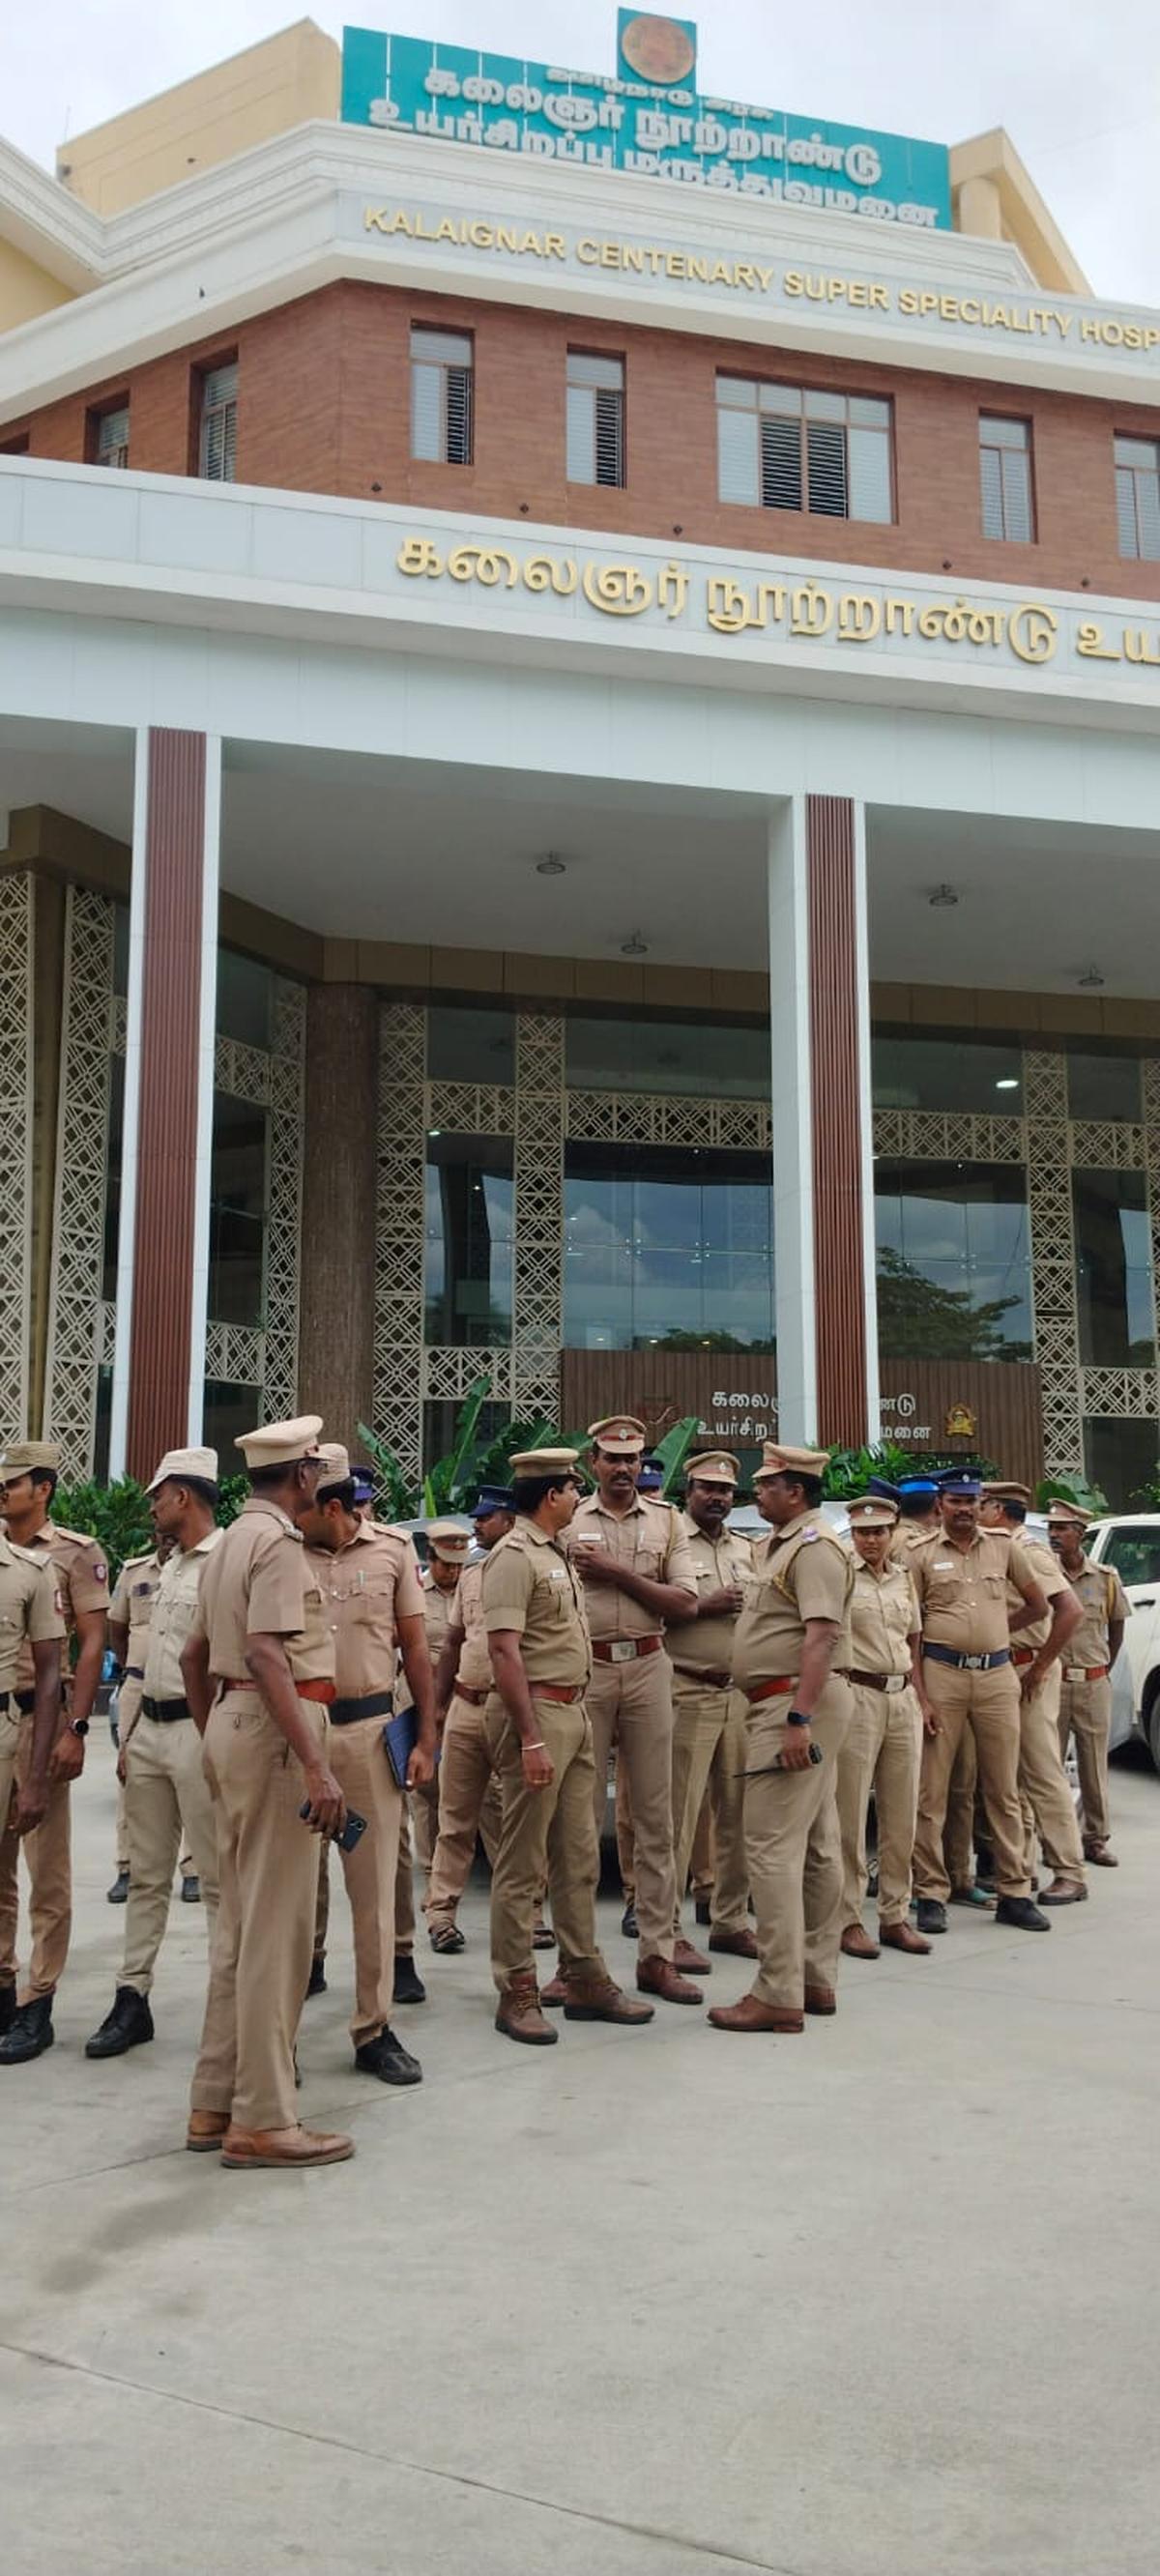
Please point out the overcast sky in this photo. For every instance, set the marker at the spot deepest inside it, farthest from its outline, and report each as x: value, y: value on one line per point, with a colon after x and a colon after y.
x: 1077, y: 88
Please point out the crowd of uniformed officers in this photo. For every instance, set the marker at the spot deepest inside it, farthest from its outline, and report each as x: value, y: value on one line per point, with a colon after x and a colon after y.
x: 297, y: 1682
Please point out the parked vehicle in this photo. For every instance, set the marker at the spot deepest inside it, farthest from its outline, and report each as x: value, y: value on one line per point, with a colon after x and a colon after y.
x: 1130, y: 1543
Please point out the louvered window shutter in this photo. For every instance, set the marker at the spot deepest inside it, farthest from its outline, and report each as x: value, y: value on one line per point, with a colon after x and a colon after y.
x: 459, y: 415
x: 781, y: 463
x: 219, y: 424
x: 113, y: 437
x: 609, y: 435
x: 829, y: 489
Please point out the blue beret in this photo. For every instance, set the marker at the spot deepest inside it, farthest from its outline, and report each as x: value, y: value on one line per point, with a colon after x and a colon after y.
x: 959, y: 1481
x: 491, y: 1498
x: 886, y: 1492
x: 362, y: 1478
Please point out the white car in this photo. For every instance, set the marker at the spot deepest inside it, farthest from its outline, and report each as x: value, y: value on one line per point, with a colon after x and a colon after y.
x: 1130, y: 1543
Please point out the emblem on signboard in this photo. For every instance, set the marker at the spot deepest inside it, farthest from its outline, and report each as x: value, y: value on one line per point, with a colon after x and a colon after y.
x: 960, y: 1423
x: 659, y: 49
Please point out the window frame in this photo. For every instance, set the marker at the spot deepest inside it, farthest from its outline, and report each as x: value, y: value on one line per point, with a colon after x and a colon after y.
x: 804, y: 391
x: 445, y: 366
x: 95, y: 420
x: 611, y: 358
x: 1135, y: 438
x: 203, y: 411
x: 1015, y: 420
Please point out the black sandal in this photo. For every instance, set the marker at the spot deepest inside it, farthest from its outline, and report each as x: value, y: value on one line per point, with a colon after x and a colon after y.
x: 446, y: 1938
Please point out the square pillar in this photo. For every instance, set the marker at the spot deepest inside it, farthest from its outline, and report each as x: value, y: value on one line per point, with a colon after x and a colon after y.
x: 827, y: 1351
x: 163, y: 1251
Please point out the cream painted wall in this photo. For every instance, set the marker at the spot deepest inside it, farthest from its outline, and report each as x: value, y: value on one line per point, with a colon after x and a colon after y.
x: 26, y: 289
x: 264, y: 91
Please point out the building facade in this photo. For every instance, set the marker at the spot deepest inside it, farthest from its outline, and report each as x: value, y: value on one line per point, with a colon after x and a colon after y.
x: 579, y: 763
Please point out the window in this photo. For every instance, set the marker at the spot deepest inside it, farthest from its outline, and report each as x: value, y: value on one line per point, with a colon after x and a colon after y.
x: 667, y: 1248
x: 1134, y: 1554
x: 1005, y: 478
x: 1103, y: 1086
x: 441, y: 374
x: 237, y: 1211
x: 667, y: 1055
x: 1113, y: 1259
x: 1138, y: 496
x: 469, y: 1231
x: 229, y: 1410
x: 218, y: 428
x: 245, y: 999
x: 595, y: 418
x: 465, y: 1045
x: 954, y: 1261
x: 790, y: 449
x: 946, y: 1073
x: 109, y: 436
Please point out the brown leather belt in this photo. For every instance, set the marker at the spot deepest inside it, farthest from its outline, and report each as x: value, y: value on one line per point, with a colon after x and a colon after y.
x: 323, y: 1691
x: 892, y: 1682
x: 1086, y: 1672
x: 565, y: 1692
x: 716, y: 1680
x: 474, y: 1698
x: 624, y: 1650
x: 783, y: 1688
x: 1022, y: 1655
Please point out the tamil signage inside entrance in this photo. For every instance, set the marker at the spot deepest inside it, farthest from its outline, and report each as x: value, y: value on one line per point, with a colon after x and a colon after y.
x: 651, y: 120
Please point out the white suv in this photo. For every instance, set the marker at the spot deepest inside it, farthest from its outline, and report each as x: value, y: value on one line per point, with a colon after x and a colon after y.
x: 1130, y: 1543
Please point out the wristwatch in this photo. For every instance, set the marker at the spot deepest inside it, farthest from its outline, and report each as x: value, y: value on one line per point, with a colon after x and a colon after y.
x: 78, y: 1726
x: 797, y: 1717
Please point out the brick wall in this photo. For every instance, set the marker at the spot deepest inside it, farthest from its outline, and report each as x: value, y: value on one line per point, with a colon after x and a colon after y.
x: 324, y: 407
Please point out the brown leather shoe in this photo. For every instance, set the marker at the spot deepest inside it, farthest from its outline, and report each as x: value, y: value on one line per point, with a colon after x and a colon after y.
x: 736, y: 1945
x: 899, y: 1936
x: 518, y: 2015
x: 206, y: 2131
x: 657, y: 1976
x: 857, y: 1944
x: 1064, y: 1891
x: 689, y: 1960
x: 752, y: 2014
x: 820, y: 1999
x: 1100, y: 1855
x: 242, y: 2148
x: 556, y: 1990
x: 601, y: 1999
x: 543, y: 1937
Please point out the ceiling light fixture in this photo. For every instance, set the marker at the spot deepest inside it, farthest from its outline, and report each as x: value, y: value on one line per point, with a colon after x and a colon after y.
x: 943, y: 899
x: 634, y: 945
x: 1091, y: 980
x: 551, y: 865
x: 1007, y: 1082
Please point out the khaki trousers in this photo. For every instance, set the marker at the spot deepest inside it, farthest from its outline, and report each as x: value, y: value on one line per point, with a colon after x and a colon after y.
x: 794, y: 1844
x: 1085, y: 1712
x: 424, y: 1805
x: 128, y: 1713
x: 48, y: 1859
x: 701, y: 1856
x: 469, y: 1804
x: 546, y: 1833
x: 634, y: 1703
x: 987, y: 1704
x: 268, y: 1881
x: 404, y: 1886
x: 368, y: 1784
x: 1049, y: 1815
x: 625, y: 1837
x: 880, y: 1756
x: 710, y: 1752
x: 959, y: 1829
x: 168, y: 1808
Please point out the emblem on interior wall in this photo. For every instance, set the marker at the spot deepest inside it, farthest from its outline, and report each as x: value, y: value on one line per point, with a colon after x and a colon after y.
x: 960, y: 1423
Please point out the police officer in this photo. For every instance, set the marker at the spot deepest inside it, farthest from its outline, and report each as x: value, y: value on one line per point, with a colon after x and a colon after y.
x: 1085, y: 1704
x: 30, y: 1620
x: 1045, y: 1798
x: 633, y: 1556
x: 541, y: 1742
x: 374, y: 1606
x: 129, y: 1612
x: 259, y: 1676
x: 883, y: 1745
x: 469, y: 1799
x: 919, y: 1518
x: 709, y: 1740
x: 167, y: 1798
x: 968, y: 1680
x: 447, y: 1546
x: 790, y: 1646
x: 28, y: 1478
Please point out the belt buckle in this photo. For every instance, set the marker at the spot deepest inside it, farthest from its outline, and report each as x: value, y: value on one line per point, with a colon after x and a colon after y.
x: 621, y: 1651
x: 975, y: 1663
x: 1075, y: 1673
x: 895, y: 1682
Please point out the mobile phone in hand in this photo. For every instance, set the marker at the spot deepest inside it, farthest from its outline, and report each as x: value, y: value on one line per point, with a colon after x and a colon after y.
x: 352, y: 1831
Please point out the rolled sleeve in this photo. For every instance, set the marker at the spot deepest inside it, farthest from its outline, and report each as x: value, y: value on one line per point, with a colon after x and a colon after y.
x: 88, y: 1580
x: 679, y: 1566
x: 408, y: 1589
x: 44, y: 1619
x: 820, y: 1581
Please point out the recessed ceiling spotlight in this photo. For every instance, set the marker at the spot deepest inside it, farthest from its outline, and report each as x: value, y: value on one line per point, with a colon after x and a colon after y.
x: 1091, y: 980
x: 551, y: 865
x: 1007, y: 1082
x: 634, y: 945
x: 943, y: 899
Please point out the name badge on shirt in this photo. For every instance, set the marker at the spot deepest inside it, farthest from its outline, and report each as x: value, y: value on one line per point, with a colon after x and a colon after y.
x: 557, y: 1574
x: 943, y: 1565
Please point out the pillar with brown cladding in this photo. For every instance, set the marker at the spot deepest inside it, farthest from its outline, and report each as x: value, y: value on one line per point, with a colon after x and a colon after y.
x: 839, y: 1208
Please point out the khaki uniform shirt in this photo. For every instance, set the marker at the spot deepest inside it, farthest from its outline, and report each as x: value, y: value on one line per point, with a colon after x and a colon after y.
x: 706, y: 1645
x: 1047, y: 1569
x: 1102, y: 1599
x: 436, y: 1608
x: 884, y: 1614
x: 962, y: 1593
x: 175, y: 1599
x: 649, y: 1537
x: 805, y: 1573
x: 258, y: 1583
x: 367, y: 1586
x: 132, y: 1605
x: 82, y: 1579
x: 30, y: 1612
x: 905, y: 1538
x: 529, y: 1585
x: 474, y: 1666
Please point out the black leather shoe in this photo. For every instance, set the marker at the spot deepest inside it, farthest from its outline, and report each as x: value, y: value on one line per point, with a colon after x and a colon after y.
x: 29, y: 2032
x: 317, y: 1985
x: 1021, y: 1915
x: 118, y: 1893
x: 628, y: 1923
x: 191, y: 1889
x: 7, y: 2008
x: 387, y: 2058
x: 126, y: 2026
x: 408, y: 1987
x: 704, y: 1909
x: 929, y: 1915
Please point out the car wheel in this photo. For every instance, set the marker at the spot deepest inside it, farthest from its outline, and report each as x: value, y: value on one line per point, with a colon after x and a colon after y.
x: 1152, y: 1719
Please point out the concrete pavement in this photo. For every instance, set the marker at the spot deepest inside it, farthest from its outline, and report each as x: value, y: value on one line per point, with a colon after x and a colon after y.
x: 877, y: 2301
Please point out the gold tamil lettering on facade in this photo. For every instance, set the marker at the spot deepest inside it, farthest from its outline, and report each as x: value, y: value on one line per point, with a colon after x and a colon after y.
x: 1138, y: 647
x: 1090, y: 642
x: 487, y: 564
x: 1033, y: 632
x: 547, y: 572
x: 621, y: 590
